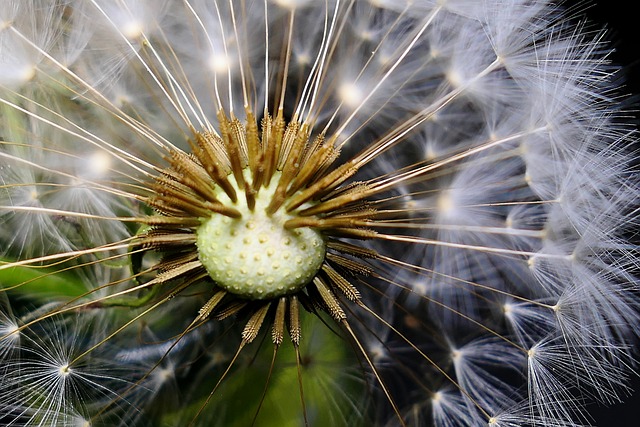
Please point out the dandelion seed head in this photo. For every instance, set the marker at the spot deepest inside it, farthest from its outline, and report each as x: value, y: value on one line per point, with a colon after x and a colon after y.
x: 132, y: 18
x: 378, y: 352
x: 18, y: 69
x: 303, y: 59
x: 9, y: 335
x: 65, y: 370
x: 25, y: 75
x: 220, y: 63
x: 446, y: 204
x: 507, y: 309
x: 292, y: 4
x: 350, y: 94
x: 133, y: 29
x: 204, y: 206
x: 421, y: 288
x: 164, y: 374
x: 82, y: 422
x: 11, y: 330
x: 95, y: 165
x: 455, y: 78
x: 34, y: 195
x: 456, y: 355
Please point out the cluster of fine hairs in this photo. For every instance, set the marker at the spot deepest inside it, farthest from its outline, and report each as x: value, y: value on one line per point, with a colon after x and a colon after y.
x: 312, y: 213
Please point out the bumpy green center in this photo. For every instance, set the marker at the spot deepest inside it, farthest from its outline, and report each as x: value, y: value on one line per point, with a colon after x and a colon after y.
x: 255, y: 257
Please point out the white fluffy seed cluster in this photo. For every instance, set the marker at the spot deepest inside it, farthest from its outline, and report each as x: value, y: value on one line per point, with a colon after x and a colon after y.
x: 488, y: 134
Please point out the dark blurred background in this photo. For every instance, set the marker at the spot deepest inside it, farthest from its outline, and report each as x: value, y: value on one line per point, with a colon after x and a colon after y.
x: 620, y: 19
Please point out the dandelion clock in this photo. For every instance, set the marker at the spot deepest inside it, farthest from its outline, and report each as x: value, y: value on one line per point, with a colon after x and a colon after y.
x: 312, y: 213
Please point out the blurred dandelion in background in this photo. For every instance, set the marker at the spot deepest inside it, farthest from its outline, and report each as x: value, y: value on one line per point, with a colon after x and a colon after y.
x: 300, y: 212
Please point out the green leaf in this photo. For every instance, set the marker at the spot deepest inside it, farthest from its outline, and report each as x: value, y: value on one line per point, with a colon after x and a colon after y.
x: 39, y: 284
